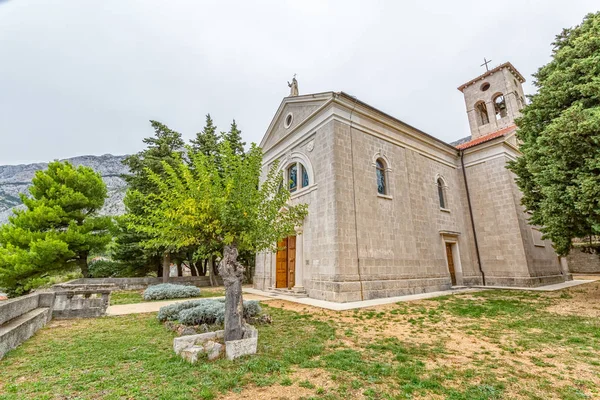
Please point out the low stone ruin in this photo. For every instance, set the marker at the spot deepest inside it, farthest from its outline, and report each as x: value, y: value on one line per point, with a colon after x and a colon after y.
x: 193, y: 347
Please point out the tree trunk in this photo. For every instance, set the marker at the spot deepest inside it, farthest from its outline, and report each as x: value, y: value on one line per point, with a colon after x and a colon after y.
x: 166, y: 267
x: 193, y: 270
x: 179, y: 269
x: 83, y: 264
x: 232, y: 273
x: 205, y: 267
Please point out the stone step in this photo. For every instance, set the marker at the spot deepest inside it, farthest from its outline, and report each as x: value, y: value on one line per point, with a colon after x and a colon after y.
x: 17, y: 330
x: 288, y: 292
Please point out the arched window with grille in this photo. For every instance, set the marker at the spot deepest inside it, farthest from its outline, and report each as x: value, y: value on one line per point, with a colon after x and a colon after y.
x: 441, y: 188
x: 382, y: 187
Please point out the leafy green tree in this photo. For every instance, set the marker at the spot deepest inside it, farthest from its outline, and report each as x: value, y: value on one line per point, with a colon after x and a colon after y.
x: 559, y: 171
x: 221, y: 208
x: 234, y: 138
x: 58, y: 229
x: 166, y: 146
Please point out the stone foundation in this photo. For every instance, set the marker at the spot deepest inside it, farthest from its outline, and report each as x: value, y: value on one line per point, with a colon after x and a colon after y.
x: 518, y: 281
x: 344, y: 292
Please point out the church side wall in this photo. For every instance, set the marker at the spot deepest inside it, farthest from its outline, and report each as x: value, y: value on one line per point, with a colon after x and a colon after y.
x: 503, y: 257
x: 544, y: 264
x: 398, y: 240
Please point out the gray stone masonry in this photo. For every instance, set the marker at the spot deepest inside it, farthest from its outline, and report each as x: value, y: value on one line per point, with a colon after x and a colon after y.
x: 80, y: 304
x: 131, y: 283
x: 583, y: 262
x: 358, y: 244
x: 192, y: 346
x: 183, y: 342
x: 21, y: 317
x: 21, y: 328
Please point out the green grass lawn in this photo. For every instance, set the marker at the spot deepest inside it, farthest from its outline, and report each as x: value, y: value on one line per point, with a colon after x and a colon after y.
x: 485, y: 345
x: 135, y: 296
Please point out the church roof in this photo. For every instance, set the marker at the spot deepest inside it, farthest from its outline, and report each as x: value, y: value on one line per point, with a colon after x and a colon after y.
x: 508, y: 65
x: 487, y: 138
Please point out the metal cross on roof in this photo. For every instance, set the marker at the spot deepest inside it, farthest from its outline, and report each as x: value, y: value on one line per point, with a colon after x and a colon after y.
x: 486, y: 62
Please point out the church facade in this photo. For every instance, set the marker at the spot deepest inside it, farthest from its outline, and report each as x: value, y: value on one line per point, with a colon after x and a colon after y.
x: 395, y: 211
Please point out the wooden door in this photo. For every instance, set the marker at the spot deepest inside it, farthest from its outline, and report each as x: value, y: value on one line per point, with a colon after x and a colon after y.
x: 281, y: 278
x: 291, y: 261
x: 450, y: 263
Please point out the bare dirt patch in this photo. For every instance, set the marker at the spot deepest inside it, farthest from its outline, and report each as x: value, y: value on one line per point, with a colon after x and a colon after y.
x: 581, y: 300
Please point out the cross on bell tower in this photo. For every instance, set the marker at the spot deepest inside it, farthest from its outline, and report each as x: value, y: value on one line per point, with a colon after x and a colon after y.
x: 486, y: 62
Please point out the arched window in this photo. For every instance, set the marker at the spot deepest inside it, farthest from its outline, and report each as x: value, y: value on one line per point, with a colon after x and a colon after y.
x: 500, y: 106
x: 381, y: 178
x: 297, y: 176
x: 293, y: 177
x: 482, y: 114
x: 441, y: 187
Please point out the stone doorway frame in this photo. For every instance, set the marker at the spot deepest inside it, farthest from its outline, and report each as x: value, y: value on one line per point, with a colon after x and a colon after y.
x: 451, y: 238
x: 298, y: 285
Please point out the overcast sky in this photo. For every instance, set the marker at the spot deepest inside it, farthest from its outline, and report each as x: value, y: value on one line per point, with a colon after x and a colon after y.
x: 84, y: 77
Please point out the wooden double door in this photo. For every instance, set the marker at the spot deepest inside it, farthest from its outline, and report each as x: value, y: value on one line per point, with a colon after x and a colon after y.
x: 285, y: 271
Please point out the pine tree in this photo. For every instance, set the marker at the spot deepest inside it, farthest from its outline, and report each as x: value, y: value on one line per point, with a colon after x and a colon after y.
x: 166, y: 146
x: 207, y: 141
x: 559, y: 171
x: 234, y: 138
x: 58, y: 229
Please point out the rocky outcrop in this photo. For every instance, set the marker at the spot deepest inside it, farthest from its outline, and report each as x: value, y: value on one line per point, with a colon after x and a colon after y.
x: 15, y: 179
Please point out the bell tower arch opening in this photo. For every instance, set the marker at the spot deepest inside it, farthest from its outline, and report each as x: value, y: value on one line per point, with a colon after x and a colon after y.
x: 493, y: 99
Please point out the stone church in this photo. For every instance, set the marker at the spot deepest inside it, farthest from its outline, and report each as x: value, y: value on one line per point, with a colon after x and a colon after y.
x: 394, y: 210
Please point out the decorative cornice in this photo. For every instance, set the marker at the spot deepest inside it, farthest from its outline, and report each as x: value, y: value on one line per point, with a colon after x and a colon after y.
x: 506, y: 65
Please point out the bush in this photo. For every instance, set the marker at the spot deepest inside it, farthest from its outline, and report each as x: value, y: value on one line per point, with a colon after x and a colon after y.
x: 170, y: 291
x: 106, y: 269
x: 208, y: 311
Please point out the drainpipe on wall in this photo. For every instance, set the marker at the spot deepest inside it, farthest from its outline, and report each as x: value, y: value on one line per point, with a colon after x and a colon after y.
x: 362, y: 295
x: 462, y: 163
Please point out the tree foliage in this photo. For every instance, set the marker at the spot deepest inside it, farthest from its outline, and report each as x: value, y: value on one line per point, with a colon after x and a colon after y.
x: 165, y: 147
x: 220, y: 207
x: 559, y: 171
x: 57, y: 230
x: 207, y: 141
x: 234, y: 138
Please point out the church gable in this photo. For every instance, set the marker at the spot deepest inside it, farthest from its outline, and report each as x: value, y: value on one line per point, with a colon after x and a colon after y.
x: 292, y: 112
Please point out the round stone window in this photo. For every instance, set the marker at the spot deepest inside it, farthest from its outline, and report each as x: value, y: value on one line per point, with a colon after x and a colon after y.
x: 485, y: 87
x: 288, y: 120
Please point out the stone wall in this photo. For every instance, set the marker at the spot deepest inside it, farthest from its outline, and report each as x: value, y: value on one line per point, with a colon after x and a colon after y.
x: 80, y: 304
x: 131, y: 283
x: 582, y: 261
x: 21, y: 317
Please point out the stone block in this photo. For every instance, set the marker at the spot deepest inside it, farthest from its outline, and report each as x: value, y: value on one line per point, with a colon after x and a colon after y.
x: 192, y: 354
x: 213, y: 350
x: 239, y: 348
x: 182, y: 342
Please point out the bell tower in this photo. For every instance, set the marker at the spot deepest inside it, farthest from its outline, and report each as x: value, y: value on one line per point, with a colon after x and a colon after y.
x: 493, y: 99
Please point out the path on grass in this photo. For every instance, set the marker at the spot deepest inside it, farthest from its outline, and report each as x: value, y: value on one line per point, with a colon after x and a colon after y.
x: 254, y: 294
x: 154, y: 306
